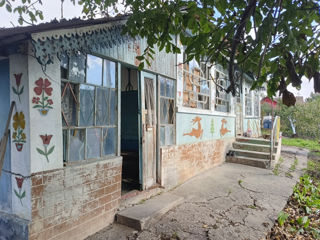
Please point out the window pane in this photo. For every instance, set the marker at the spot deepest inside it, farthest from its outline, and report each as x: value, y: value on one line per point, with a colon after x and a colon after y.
x: 162, y: 86
x: 94, y: 70
x: 64, y: 65
x: 68, y: 104
x: 77, y: 67
x: 102, y: 106
x: 109, y: 141
x: 113, y: 107
x: 76, y: 150
x: 86, y: 105
x: 93, y: 142
x: 169, y: 135
x: 164, y: 104
x: 109, y: 78
x: 162, y: 135
x: 170, y: 111
x: 170, y: 88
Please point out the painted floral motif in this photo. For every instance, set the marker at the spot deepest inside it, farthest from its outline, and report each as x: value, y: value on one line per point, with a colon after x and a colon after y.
x: 18, y: 135
x: 42, y: 89
x: 46, y: 142
x: 18, y: 91
x: 19, y: 193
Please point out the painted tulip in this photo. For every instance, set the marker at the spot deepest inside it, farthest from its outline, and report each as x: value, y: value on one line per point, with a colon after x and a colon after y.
x: 46, y: 139
x: 19, y: 182
x: 18, y: 78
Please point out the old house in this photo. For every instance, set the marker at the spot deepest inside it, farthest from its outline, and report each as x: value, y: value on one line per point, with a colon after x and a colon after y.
x: 88, y: 127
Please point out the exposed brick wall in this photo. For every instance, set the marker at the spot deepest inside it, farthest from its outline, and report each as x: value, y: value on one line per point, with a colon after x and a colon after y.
x: 179, y: 163
x: 76, y: 201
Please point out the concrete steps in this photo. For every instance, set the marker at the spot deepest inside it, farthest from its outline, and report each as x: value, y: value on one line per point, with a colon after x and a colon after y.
x: 143, y: 215
x: 253, y: 162
x: 253, y: 152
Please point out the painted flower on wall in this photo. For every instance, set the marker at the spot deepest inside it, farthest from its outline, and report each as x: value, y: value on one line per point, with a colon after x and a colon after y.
x: 46, y: 142
x: 17, y: 90
x: 18, y: 135
x: 43, y: 103
x: 19, y: 193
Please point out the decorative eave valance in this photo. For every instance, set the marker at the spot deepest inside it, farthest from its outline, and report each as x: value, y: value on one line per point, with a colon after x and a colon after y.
x: 47, y: 45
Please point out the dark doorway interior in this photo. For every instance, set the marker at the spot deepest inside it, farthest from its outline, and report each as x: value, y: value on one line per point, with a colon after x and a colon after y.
x: 129, y: 130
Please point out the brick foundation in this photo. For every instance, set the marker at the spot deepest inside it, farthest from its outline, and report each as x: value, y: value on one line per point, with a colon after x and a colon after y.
x: 180, y: 163
x: 76, y: 201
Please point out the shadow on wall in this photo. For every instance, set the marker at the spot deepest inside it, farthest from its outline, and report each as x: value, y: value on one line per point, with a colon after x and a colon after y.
x: 13, y: 228
x: 5, y: 179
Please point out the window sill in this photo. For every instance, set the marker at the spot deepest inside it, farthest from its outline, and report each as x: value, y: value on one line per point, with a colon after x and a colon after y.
x: 93, y: 161
x: 203, y: 112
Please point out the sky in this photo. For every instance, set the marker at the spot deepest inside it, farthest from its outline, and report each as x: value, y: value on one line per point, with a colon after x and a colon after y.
x: 52, y: 9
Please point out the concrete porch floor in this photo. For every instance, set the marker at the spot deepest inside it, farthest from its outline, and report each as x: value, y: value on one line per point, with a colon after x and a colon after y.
x: 231, y: 201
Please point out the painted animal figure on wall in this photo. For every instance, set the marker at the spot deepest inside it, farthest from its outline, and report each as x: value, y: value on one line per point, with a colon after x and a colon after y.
x: 196, y: 132
x: 223, y: 130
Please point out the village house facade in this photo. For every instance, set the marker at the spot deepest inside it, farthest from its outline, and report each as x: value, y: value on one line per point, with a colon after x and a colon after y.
x: 88, y: 127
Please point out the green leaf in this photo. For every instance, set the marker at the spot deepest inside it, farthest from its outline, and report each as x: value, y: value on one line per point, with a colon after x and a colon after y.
x: 41, y: 152
x: 9, y: 8
x: 14, y: 90
x: 2, y: 3
x: 17, y: 194
x: 50, y: 150
x: 23, y: 194
x: 282, y: 217
x: 37, y: 106
x: 21, y: 90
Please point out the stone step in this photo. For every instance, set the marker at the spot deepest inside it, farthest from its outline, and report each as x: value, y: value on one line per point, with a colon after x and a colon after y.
x: 254, y: 162
x: 260, y: 141
x: 252, y: 147
x: 251, y: 154
x: 143, y: 215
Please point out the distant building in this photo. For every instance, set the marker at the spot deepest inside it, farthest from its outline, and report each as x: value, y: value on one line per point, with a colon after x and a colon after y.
x: 269, y: 101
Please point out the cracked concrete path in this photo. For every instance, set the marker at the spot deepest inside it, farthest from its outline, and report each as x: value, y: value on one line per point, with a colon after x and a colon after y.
x: 231, y: 201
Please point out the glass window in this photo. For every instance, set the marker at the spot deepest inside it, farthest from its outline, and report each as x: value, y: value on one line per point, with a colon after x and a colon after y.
x: 109, y: 141
x: 256, y: 103
x: 89, y: 108
x: 94, y: 70
x: 167, y: 111
x: 102, y: 106
x: 93, y: 140
x: 86, y: 105
x: 109, y: 76
x: 69, y: 93
x: 248, y: 102
x: 222, y: 103
x: 77, y: 66
x: 76, y: 147
x: 196, y: 86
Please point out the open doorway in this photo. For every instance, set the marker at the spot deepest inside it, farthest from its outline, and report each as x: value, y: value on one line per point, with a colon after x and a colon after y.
x: 129, y: 129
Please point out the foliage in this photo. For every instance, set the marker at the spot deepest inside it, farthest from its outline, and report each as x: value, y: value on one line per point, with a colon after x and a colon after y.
x: 303, y: 143
x: 304, y: 116
x: 300, y: 218
x: 276, y: 41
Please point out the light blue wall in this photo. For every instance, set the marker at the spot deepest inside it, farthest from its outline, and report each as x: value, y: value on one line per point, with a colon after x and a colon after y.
x: 5, y: 180
x: 211, y: 128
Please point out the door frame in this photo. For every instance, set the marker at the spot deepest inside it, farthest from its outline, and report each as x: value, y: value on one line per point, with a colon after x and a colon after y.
x: 141, y: 107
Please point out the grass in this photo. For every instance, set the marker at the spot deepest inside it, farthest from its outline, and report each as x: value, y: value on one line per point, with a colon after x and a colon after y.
x: 277, y: 166
x: 312, y: 145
